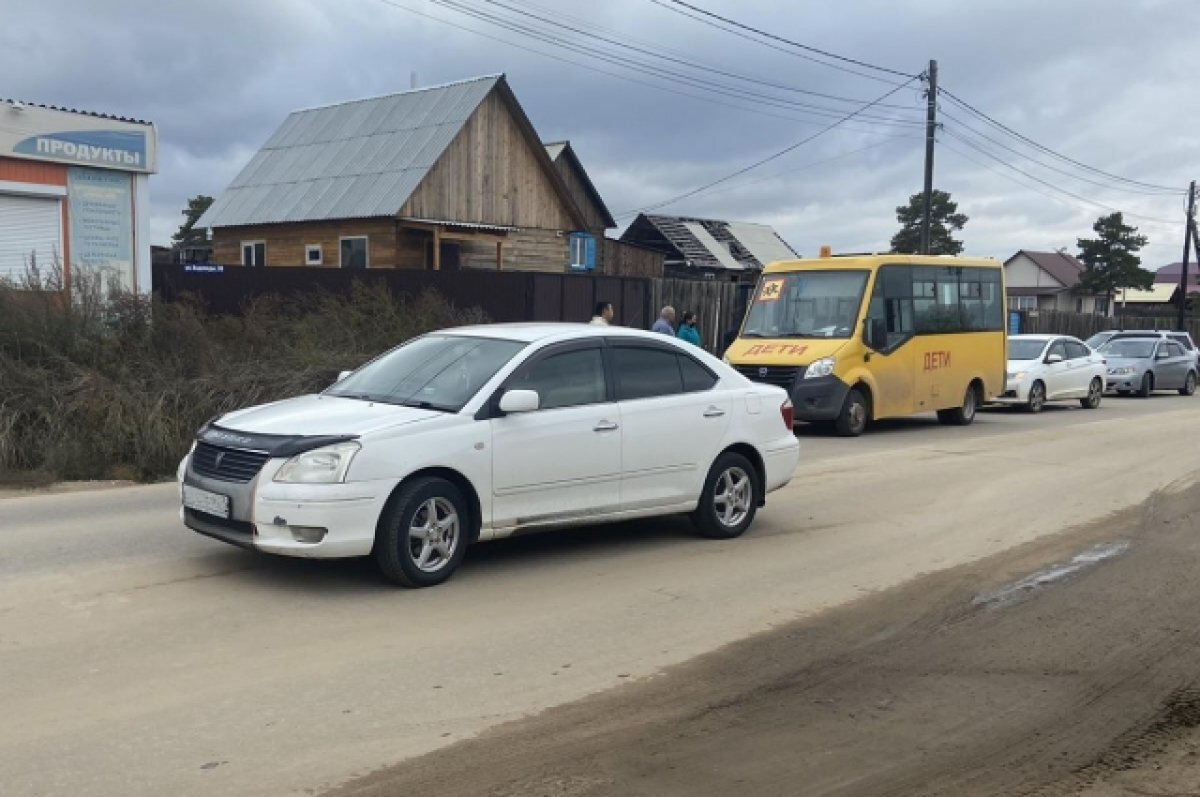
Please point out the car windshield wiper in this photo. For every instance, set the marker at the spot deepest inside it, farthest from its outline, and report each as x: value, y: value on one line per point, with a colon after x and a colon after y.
x: 425, y: 405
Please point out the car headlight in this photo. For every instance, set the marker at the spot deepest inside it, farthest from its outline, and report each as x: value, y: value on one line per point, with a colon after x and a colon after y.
x: 326, y: 465
x: 822, y: 367
x: 1016, y: 376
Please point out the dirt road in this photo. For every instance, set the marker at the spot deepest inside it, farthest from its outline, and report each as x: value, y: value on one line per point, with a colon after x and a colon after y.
x: 141, y: 659
x: 1001, y: 677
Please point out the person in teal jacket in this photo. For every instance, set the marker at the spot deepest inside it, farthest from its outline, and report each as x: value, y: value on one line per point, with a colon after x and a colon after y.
x: 687, y: 329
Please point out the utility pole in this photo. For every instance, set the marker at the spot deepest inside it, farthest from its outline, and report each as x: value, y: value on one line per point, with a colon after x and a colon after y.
x: 930, y: 128
x: 1187, y: 247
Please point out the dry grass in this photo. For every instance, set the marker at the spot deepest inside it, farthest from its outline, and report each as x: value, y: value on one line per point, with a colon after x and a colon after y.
x: 96, y: 386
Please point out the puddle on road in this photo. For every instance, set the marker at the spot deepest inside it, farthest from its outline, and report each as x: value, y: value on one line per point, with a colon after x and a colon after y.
x: 1017, y: 590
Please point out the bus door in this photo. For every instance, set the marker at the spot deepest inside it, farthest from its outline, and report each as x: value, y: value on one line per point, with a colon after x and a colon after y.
x: 889, y: 333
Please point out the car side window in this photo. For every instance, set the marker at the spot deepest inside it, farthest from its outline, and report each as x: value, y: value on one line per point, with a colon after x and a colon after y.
x: 695, y: 376
x: 1183, y: 341
x: 569, y: 379
x: 1173, y: 349
x: 642, y: 372
x: 1058, y: 347
x: 1076, y: 350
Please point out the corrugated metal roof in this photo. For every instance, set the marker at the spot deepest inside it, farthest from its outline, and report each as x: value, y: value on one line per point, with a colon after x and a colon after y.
x: 762, y: 241
x: 718, y: 250
x: 1159, y: 292
x: 467, y: 225
x: 358, y: 159
x: 64, y: 109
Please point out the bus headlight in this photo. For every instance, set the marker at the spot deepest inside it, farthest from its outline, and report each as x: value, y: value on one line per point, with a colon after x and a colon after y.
x: 822, y: 367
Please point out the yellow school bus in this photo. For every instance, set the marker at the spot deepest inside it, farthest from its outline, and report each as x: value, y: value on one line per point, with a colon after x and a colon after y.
x: 866, y: 337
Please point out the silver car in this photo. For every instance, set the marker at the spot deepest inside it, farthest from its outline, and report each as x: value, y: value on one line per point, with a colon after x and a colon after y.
x: 1143, y: 365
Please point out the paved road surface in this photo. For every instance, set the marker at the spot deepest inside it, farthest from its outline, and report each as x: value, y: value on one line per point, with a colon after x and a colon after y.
x: 139, y: 658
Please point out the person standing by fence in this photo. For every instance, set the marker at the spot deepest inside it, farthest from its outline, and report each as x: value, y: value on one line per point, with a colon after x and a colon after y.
x: 603, y: 314
x: 665, y: 325
x: 687, y: 329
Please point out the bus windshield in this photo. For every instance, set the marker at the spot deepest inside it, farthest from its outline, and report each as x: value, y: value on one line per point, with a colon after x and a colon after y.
x: 806, y: 304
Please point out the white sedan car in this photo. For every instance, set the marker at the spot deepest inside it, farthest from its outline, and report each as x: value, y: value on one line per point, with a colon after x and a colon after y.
x: 1045, y: 368
x: 480, y: 432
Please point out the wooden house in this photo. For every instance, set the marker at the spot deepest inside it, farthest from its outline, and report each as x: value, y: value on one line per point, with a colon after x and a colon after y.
x: 446, y: 177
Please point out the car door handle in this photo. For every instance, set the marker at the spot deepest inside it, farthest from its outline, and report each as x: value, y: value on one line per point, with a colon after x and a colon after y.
x: 714, y: 412
x: 605, y: 426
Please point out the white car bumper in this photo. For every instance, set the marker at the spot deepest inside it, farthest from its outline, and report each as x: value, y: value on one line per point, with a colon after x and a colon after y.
x: 1014, y: 393
x: 319, y: 521
x: 780, y: 461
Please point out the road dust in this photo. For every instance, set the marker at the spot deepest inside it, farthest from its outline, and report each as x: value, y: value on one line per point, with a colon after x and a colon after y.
x: 1069, y: 666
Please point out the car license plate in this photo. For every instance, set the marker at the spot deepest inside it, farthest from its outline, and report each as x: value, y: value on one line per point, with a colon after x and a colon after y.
x: 206, y: 502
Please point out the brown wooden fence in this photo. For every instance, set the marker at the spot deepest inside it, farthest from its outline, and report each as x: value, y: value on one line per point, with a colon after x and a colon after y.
x: 1083, y: 325
x: 503, y: 296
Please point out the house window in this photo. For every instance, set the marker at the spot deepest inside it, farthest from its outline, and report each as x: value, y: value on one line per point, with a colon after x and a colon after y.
x: 1101, y: 306
x: 1022, y: 303
x: 1079, y: 305
x: 353, y: 252
x: 312, y: 255
x: 254, y: 253
x: 583, y: 252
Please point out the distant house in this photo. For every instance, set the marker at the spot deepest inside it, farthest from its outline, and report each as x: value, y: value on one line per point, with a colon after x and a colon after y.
x: 1049, y: 281
x: 446, y: 177
x: 707, y: 248
x: 1169, y: 275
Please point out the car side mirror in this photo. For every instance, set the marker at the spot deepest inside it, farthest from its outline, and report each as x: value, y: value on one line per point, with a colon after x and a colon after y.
x: 343, y: 374
x: 515, y: 401
x: 1051, y: 359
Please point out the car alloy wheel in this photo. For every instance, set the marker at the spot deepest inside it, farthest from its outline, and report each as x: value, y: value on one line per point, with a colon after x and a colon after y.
x: 434, y: 535
x: 1037, y: 397
x: 733, y: 497
x: 729, y: 499
x: 423, y: 533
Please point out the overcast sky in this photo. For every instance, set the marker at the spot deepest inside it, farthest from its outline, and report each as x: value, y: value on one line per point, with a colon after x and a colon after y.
x: 1104, y: 82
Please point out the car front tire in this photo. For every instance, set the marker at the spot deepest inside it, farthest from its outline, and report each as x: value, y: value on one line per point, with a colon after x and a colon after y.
x: 1189, y: 385
x: 1147, y: 386
x: 729, y: 499
x: 423, y: 534
x: 1037, y: 397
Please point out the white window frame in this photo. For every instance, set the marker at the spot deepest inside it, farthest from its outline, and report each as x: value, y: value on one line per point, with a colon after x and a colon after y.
x: 242, y: 253
x: 365, y: 238
x: 1022, y: 303
x: 308, y: 250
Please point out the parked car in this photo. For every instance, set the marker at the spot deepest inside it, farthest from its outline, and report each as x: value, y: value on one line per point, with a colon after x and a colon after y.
x: 1045, y: 368
x: 1182, y: 338
x: 1146, y: 364
x: 480, y: 432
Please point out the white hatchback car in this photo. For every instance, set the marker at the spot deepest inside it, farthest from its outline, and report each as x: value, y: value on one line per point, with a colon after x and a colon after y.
x: 1045, y: 368
x: 480, y: 432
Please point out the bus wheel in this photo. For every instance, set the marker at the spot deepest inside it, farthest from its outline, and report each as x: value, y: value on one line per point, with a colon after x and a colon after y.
x: 961, y: 416
x: 852, y: 420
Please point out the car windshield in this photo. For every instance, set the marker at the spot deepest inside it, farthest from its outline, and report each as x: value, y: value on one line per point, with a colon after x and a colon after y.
x: 806, y: 304
x: 1098, y: 340
x: 1130, y: 347
x: 1025, y: 349
x: 438, y: 372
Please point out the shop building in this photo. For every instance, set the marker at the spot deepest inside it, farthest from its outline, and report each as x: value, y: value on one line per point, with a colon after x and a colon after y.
x: 74, y: 193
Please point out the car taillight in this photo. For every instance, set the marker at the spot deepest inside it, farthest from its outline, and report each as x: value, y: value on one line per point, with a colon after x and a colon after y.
x: 788, y: 412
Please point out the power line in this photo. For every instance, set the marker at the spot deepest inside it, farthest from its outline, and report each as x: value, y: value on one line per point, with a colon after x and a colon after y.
x: 1110, y: 185
x: 591, y: 67
x: 659, y: 71
x: 972, y: 109
x: 1040, y: 181
x: 658, y: 52
x: 708, y: 17
x: 767, y: 159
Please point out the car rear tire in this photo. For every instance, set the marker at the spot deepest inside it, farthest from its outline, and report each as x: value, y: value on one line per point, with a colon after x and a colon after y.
x: 1037, y: 397
x: 1147, y: 386
x: 729, y: 500
x: 423, y: 534
x: 852, y: 420
x: 1095, y: 393
x: 962, y: 416
x: 1189, y: 385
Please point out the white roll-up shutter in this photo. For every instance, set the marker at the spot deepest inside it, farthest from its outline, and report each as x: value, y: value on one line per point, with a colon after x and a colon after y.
x: 28, y: 225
